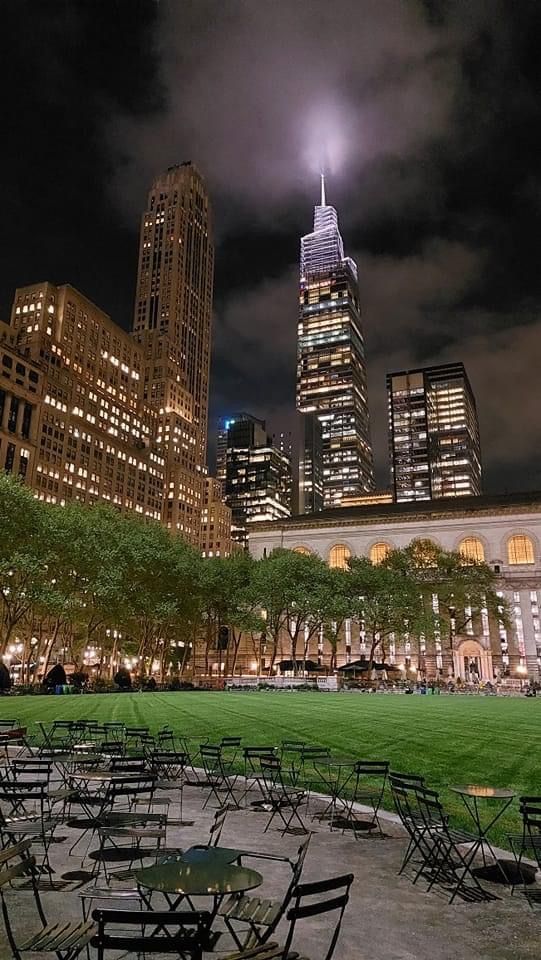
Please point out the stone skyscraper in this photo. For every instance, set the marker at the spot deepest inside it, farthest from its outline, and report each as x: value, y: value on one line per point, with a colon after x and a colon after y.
x: 331, y: 372
x: 172, y: 322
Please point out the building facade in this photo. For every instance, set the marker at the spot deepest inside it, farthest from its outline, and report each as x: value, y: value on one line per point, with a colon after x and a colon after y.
x: 257, y: 476
x: 331, y: 371
x: 504, y: 531
x: 94, y: 413
x: 172, y: 326
x: 21, y: 394
x: 96, y: 436
x: 434, y: 441
x: 215, y: 521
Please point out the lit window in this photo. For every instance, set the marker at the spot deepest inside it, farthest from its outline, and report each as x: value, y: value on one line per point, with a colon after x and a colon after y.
x: 339, y: 556
x: 520, y: 550
x: 303, y: 550
x: 379, y: 551
x: 472, y: 549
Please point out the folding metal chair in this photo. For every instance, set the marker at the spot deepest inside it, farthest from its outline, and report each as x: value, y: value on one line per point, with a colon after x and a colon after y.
x: 528, y: 844
x: 283, y: 800
x: 183, y: 934
x: 444, y: 863
x: 307, y: 904
x: 64, y: 938
x: 150, y: 827
x: 368, y: 789
x: 25, y: 812
x: 218, y: 777
x: 260, y: 915
x: 168, y: 766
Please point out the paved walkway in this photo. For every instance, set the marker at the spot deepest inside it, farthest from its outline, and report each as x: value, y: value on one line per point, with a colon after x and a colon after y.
x: 387, y: 917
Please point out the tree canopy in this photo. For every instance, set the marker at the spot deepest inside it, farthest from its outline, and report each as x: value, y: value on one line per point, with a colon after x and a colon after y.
x: 107, y: 592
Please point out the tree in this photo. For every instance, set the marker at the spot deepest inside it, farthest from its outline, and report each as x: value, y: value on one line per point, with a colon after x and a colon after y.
x: 338, y: 605
x: 292, y: 589
x: 228, y: 602
x: 25, y: 555
x: 388, y: 602
x: 453, y: 587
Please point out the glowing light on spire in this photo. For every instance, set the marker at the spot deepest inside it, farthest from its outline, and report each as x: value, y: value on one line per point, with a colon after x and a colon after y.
x: 323, y: 203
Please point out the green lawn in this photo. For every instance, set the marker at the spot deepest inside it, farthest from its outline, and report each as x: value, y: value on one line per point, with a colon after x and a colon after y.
x: 448, y: 739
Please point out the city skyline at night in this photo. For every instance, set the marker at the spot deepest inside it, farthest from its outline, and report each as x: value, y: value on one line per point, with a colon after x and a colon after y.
x: 426, y: 118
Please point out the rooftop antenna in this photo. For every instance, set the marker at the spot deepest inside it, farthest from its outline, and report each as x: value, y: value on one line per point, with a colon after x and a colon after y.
x: 323, y: 203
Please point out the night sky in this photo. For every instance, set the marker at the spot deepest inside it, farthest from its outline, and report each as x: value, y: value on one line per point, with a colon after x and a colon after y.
x: 426, y: 115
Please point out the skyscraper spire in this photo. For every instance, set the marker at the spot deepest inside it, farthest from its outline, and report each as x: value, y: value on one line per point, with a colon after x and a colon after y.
x: 323, y: 203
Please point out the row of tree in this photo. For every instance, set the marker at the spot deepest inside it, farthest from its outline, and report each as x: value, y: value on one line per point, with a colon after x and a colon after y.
x: 76, y: 579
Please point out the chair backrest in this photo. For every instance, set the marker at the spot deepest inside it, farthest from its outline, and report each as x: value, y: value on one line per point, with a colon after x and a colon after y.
x: 530, y: 811
x: 310, y: 754
x: 211, y: 757
x: 129, y: 787
x: 9, y: 725
x: 20, y: 795
x: 313, y: 900
x: 405, y: 802
x: 253, y: 755
x: 17, y: 862
x: 372, y: 768
x: 167, y: 763
x: 406, y: 779
x: 291, y: 746
x: 230, y: 741
x: 128, y: 764
x: 183, y: 934
x: 271, y: 768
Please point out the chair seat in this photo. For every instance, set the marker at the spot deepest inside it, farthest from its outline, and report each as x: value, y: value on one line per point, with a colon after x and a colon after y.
x: 30, y: 827
x: 60, y: 936
x: 253, y: 909
x: 110, y: 893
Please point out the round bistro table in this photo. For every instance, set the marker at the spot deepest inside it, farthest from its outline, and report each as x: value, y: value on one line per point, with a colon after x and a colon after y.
x: 473, y: 795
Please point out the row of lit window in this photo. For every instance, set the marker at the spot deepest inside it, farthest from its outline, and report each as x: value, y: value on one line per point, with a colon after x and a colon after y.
x: 520, y: 550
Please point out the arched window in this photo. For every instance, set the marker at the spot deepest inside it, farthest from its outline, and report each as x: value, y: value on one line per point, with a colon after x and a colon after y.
x: 378, y: 552
x: 339, y: 556
x: 304, y: 550
x: 519, y: 549
x: 472, y: 549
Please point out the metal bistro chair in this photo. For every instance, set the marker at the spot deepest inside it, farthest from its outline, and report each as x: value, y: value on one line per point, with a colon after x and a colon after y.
x: 528, y: 843
x: 168, y: 766
x: 183, y: 934
x: 307, y: 904
x: 281, y: 799
x: 445, y: 863
x: 218, y: 775
x: 150, y: 827
x: 368, y: 789
x: 25, y: 812
x: 261, y: 916
x: 64, y: 938
x: 252, y: 757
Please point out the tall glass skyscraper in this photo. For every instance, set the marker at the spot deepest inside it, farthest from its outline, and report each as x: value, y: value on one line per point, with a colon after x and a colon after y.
x: 434, y: 443
x: 331, y: 371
